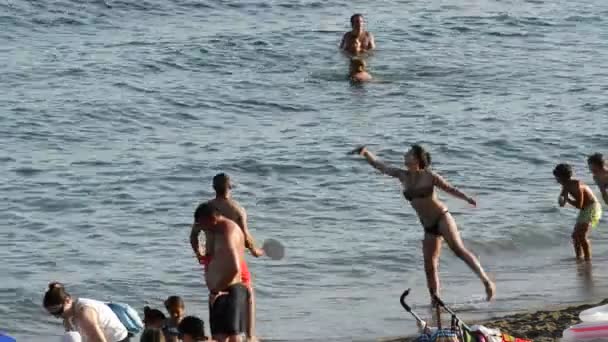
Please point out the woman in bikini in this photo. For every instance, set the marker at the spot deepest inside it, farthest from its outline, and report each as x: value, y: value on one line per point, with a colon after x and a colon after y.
x: 419, y: 183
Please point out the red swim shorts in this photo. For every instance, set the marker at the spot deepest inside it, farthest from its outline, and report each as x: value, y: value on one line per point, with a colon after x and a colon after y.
x: 245, y: 274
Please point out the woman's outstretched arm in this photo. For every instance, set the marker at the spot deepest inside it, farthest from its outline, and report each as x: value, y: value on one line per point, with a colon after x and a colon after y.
x: 442, y: 184
x: 376, y: 163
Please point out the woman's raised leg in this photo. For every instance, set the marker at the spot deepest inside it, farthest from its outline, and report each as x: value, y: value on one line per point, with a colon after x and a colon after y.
x: 449, y: 231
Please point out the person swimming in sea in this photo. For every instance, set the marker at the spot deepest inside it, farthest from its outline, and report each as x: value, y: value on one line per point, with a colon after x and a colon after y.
x: 357, y: 35
x: 580, y: 196
x: 358, y: 72
x: 599, y: 170
x: 419, y: 183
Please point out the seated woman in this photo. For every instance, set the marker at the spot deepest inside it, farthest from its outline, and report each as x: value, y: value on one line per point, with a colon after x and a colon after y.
x: 358, y: 72
x: 94, y: 320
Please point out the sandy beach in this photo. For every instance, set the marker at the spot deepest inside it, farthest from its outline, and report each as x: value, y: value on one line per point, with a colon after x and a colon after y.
x: 538, y: 326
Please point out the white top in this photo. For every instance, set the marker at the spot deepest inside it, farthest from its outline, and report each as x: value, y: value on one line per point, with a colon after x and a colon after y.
x: 71, y: 336
x: 112, y: 328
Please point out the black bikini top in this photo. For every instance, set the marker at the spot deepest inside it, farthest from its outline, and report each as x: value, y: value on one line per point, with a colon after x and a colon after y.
x: 424, y: 192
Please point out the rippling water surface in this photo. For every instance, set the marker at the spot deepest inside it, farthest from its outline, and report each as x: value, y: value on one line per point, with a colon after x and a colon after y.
x: 115, y: 115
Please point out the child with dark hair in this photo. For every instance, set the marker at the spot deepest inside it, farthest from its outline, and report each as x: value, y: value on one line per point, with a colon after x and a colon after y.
x: 192, y: 329
x: 176, y: 309
x: 153, y: 318
x: 599, y: 170
x: 580, y: 196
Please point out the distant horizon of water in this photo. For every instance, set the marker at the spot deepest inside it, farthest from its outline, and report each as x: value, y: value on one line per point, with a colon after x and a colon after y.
x: 116, y: 115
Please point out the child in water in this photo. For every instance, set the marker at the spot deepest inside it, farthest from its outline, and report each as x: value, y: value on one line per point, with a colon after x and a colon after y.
x: 580, y: 196
x: 176, y: 309
x: 358, y: 72
x: 599, y: 170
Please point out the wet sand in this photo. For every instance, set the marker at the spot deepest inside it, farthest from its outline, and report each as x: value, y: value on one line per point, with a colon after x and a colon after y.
x: 539, y: 326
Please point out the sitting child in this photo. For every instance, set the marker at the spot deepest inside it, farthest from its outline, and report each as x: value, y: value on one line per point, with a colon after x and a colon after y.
x: 153, y: 318
x: 176, y: 308
x: 192, y: 329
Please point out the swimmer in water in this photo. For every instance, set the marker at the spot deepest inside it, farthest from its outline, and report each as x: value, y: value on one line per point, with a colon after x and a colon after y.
x: 358, y: 33
x: 599, y: 170
x: 358, y: 72
x: 582, y: 199
x: 419, y: 183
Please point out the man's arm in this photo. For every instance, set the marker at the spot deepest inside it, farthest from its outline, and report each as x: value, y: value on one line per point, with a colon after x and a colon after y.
x: 232, y: 265
x: 343, y: 42
x: 249, y: 241
x: 372, y: 42
x: 194, y: 233
x: 87, y: 320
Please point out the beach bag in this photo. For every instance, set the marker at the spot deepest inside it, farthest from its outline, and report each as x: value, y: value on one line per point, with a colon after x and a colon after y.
x: 445, y: 335
x: 423, y: 338
x: 128, y: 317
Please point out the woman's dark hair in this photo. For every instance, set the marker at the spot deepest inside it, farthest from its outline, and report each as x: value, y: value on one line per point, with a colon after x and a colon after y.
x: 153, y: 315
x: 424, y: 157
x: 174, y: 300
x: 152, y: 335
x: 596, y: 159
x: 192, y: 326
x: 563, y: 171
x: 55, y: 295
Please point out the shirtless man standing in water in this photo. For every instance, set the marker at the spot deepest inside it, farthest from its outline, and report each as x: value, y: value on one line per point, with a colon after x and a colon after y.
x: 356, y: 36
x: 227, y: 295
x: 232, y: 210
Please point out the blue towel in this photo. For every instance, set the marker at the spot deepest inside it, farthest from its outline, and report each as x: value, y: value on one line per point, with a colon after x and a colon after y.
x: 6, y: 338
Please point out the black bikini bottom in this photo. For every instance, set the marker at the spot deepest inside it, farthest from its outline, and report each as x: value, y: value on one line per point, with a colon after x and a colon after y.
x: 433, y: 229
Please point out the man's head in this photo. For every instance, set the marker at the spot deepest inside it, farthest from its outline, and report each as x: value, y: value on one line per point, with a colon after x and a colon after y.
x: 192, y: 329
x: 356, y: 21
x: 222, y: 184
x: 206, y: 215
x: 562, y: 173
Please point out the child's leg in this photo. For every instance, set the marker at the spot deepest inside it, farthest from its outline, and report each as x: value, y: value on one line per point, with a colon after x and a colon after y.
x: 575, y: 241
x: 251, y: 315
x: 583, y: 235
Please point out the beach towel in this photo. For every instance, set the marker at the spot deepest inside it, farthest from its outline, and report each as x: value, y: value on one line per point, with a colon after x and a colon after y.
x: 509, y: 338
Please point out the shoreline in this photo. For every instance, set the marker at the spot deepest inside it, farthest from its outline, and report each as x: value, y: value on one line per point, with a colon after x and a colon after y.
x: 539, y: 326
